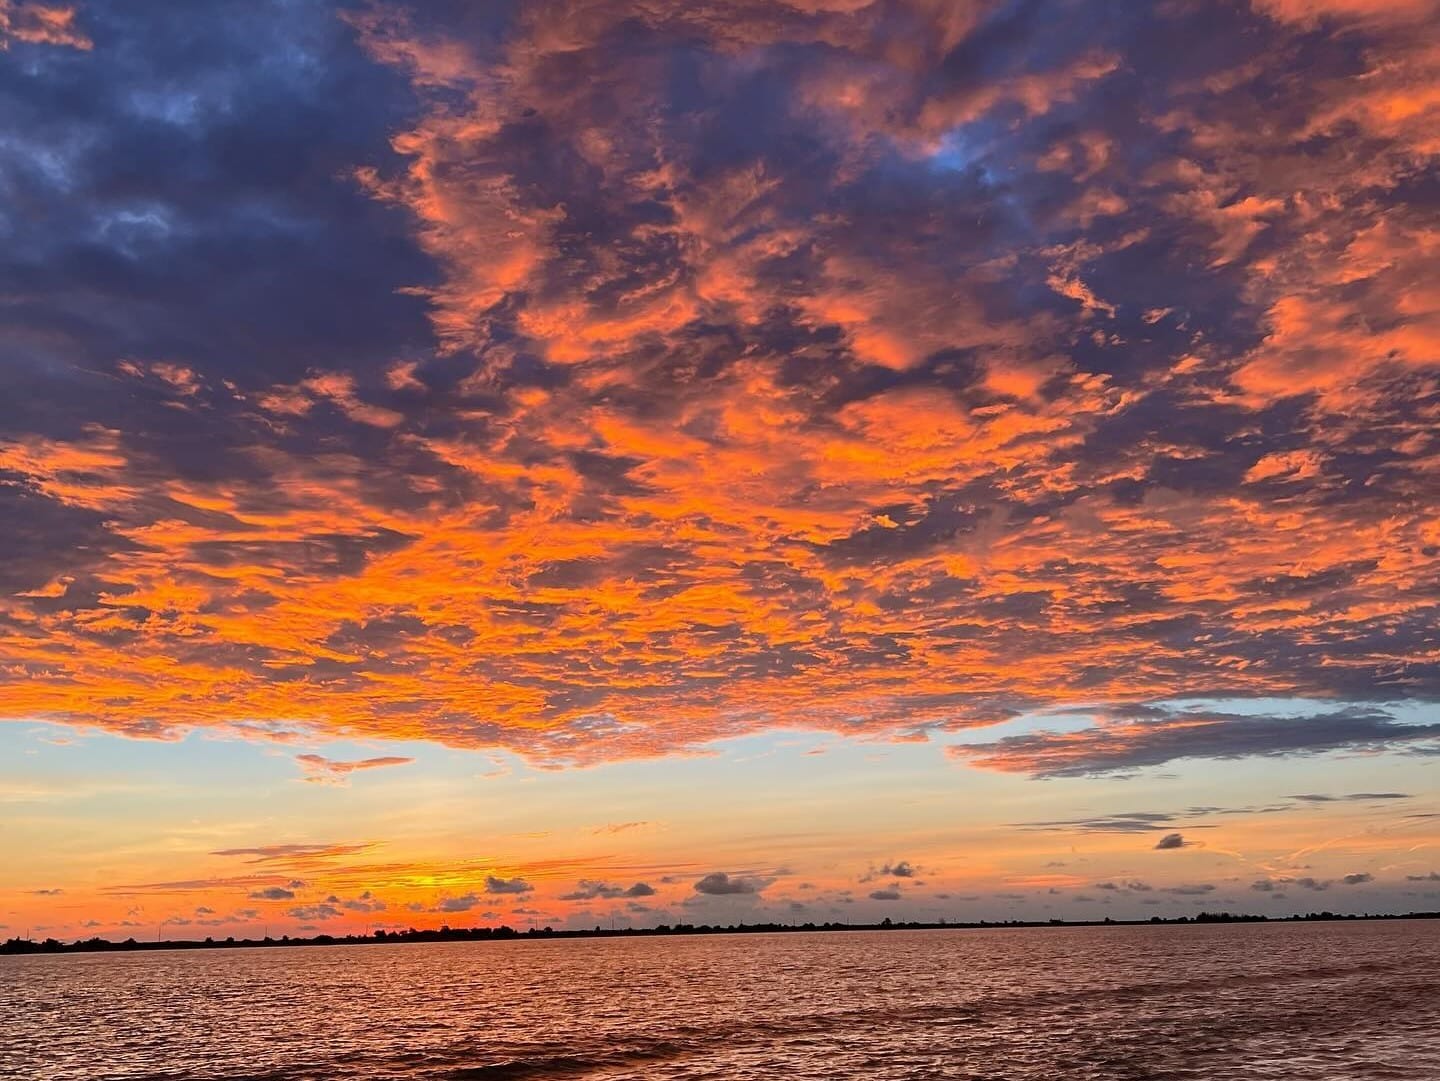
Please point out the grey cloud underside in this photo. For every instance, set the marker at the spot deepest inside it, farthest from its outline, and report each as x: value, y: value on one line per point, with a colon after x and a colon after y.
x: 593, y: 890
x: 193, y: 147
x: 722, y: 884
x: 1123, y: 747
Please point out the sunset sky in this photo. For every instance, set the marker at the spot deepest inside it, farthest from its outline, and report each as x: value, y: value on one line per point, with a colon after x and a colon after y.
x: 588, y: 460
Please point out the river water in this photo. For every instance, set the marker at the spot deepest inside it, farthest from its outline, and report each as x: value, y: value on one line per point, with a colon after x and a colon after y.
x: 1319, y: 1002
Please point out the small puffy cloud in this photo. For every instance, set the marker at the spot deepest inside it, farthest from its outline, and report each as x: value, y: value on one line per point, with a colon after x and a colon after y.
x: 463, y: 903
x: 1358, y: 878
x: 719, y: 884
x: 272, y: 893
x: 1433, y: 876
x: 1190, y: 891
x: 366, y: 902
x: 46, y: 893
x: 588, y: 889
x: 891, y: 869
x: 888, y: 894
x: 1171, y: 840
x: 315, y: 912
x: 506, y: 885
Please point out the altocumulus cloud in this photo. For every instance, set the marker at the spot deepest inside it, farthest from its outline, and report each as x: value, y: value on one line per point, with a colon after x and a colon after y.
x: 818, y: 346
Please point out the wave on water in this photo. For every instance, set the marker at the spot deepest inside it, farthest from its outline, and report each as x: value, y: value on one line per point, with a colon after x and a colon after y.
x: 544, y: 1067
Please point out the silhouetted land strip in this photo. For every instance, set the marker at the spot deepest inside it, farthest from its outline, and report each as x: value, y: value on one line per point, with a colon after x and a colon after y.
x: 503, y: 933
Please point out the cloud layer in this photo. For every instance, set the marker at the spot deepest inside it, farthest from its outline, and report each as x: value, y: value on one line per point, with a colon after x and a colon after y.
x: 596, y: 380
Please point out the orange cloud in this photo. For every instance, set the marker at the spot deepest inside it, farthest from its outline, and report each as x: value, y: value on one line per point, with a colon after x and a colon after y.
x: 40, y: 24
x: 888, y: 379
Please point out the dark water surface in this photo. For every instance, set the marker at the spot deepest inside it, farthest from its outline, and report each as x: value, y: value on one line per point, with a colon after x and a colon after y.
x: 1322, y: 1002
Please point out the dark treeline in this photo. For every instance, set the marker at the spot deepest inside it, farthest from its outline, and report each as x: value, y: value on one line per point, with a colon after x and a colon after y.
x: 502, y: 933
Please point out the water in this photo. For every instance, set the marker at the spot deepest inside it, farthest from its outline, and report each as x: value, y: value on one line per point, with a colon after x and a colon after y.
x: 1322, y: 1002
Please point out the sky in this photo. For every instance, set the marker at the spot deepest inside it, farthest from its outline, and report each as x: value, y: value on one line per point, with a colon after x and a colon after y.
x: 572, y: 462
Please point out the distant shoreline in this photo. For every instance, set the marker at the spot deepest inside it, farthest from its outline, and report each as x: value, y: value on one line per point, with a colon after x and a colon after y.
x: 24, y: 946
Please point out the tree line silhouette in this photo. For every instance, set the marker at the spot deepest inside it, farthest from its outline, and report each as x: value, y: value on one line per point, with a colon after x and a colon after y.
x: 504, y: 932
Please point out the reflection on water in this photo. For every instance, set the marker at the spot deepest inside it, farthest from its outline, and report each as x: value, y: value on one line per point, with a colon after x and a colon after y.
x: 1321, y: 1002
